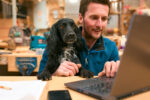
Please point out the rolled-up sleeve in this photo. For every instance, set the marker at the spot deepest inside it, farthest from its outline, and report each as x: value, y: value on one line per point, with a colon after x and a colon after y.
x: 43, y: 61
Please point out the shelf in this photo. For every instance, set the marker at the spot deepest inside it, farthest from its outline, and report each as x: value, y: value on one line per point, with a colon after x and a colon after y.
x: 116, y: 8
x: 114, y: 13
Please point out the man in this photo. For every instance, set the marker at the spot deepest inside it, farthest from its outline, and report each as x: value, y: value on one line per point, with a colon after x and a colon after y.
x: 100, y: 54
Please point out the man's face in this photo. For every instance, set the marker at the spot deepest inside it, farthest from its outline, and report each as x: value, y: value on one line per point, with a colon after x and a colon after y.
x: 94, y: 20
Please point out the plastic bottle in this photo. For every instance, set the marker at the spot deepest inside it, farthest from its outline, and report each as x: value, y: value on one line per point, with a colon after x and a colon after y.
x: 123, y: 42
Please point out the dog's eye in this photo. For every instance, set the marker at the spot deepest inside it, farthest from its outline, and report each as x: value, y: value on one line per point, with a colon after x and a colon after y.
x: 73, y: 26
x: 61, y: 27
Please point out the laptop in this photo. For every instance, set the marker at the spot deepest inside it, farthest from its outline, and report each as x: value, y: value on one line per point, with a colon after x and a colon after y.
x: 133, y: 75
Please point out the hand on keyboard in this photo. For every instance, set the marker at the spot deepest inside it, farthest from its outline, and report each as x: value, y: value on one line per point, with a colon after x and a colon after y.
x: 110, y: 69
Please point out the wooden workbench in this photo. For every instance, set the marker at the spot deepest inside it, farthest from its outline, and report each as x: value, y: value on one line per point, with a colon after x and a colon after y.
x: 57, y: 83
x: 12, y: 60
x: 20, y: 52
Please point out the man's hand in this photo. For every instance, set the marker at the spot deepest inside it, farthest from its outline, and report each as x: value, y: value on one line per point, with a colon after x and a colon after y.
x: 67, y: 69
x: 110, y: 69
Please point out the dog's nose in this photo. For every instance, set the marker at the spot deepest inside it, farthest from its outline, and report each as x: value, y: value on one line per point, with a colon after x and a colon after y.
x: 71, y: 36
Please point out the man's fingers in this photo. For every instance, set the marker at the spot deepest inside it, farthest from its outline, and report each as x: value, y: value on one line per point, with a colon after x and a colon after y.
x: 71, y: 68
x: 61, y: 73
x: 64, y: 73
x: 107, y: 69
x: 71, y: 73
x: 68, y: 71
x: 110, y: 68
x: 101, y: 73
x: 79, y: 65
x: 113, y: 69
x: 74, y: 66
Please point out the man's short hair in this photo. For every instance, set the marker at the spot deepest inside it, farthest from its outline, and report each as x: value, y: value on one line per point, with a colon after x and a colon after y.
x: 84, y: 4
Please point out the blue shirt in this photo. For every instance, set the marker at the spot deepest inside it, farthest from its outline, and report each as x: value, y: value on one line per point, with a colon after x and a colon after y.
x: 94, y: 59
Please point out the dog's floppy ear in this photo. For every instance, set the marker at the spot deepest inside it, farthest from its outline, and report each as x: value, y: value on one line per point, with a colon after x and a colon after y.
x: 78, y: 43
x: 53, y: 38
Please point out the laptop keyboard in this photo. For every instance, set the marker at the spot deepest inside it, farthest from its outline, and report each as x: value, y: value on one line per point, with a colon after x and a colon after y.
x: 99, y: 85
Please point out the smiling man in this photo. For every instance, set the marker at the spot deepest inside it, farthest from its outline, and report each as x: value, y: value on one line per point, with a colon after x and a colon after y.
x: 100, y: 55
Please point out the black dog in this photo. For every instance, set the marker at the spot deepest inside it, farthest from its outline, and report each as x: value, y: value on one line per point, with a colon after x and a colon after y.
x: 63, y: 44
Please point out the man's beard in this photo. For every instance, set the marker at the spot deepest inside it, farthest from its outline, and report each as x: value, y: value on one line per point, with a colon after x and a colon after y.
x: 87, y: 34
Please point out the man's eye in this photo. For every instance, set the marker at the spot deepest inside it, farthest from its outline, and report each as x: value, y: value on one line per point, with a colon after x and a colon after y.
x: 104, y: 18
x: 94, y: 17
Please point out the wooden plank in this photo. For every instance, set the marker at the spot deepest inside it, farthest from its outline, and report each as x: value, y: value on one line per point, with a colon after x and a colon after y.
x: 3, y: 45
x: 5, y: 25
x: 12, y: 61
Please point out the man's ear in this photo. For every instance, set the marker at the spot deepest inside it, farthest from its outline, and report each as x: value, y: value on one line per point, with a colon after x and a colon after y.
x: 80, y: 18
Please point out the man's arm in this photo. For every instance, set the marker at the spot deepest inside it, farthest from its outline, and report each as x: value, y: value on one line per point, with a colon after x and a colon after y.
x: 65, y: 69
x: 43, y: 61
x: 111, y: 66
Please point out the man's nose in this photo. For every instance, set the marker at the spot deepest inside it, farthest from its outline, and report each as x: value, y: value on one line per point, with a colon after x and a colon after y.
x: 99, y: 23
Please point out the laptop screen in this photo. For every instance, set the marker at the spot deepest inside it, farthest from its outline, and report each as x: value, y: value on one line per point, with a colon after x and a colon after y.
x: 134, y: 70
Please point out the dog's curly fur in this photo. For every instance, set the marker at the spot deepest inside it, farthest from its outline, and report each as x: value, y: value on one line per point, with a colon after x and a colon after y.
x: 63, y: 44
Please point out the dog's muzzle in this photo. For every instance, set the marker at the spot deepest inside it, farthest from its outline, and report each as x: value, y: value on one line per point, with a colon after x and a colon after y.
x: 70, y: 38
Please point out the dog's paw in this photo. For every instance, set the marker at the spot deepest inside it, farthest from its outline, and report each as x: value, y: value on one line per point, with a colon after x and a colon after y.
x: 45, y: 75
x: 86, y: 73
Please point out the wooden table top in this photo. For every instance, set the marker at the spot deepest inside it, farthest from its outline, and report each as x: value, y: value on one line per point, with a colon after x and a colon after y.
x: 57, y: 83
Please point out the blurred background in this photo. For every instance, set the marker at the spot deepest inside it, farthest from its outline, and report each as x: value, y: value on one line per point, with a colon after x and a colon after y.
x: 25, y: 25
